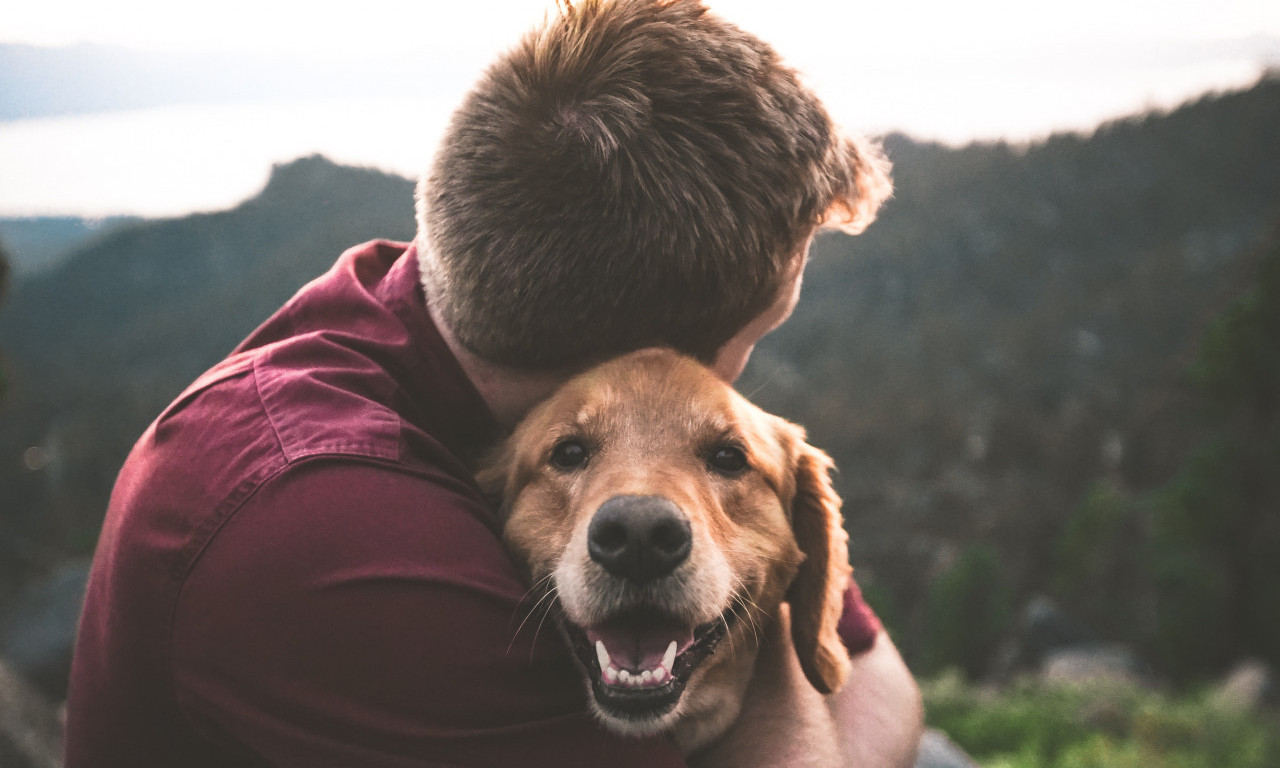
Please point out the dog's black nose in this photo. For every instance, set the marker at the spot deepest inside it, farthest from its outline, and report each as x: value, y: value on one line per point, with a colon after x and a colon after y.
x: 639, y: 538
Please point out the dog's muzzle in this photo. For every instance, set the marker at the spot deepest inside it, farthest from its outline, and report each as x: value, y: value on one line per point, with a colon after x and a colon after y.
x: 641, y: 656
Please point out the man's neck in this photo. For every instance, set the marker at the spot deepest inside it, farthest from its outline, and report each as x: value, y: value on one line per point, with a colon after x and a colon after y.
x: 509, y: 393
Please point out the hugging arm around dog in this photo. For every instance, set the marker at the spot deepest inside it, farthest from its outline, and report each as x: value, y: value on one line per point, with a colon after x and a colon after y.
x: 299, y: 567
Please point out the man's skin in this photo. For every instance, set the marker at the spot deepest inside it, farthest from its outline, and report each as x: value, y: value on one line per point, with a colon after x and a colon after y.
x: 874, y: 721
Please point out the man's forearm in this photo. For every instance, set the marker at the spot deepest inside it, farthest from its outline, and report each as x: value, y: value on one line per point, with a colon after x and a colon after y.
x: 874, y: 721
x: 878, y: 712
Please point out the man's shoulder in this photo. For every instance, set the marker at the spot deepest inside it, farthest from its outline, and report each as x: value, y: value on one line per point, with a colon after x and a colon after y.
x: 253, y: 418
x: 254, y: 414
x: 345, y: 517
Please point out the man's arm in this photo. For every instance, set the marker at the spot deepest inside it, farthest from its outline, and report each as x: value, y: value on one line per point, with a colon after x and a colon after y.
x: 874, y: 721
x: 353, y: 614
x: 878, y: 712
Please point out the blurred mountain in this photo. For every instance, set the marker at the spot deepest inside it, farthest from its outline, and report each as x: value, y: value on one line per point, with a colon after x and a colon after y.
x: 1013, y: 331
x: 1018, y: 327
x: 99, y: 344
x: 38, y: 243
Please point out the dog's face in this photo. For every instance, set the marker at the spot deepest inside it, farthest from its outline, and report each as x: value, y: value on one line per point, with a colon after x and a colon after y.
x: 668, y: 518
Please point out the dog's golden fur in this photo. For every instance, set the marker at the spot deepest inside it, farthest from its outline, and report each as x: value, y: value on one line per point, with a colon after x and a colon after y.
x: 651, y: 423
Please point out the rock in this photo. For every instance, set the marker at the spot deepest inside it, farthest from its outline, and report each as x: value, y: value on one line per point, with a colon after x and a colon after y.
x: 1092, y: 663
x: 1043, y: 629
x: 1047, y: 629
x: 30, y: 729
x: 938, y: 751
x: 1247, y: 687
x: 38, y: 629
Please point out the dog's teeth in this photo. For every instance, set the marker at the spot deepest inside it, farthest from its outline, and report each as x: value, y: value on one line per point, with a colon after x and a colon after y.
x: 611, y: 674
x: 669, y: 658
x: 602, y: 655
x: 624, y: 677
x: 659, y: 674
x: 646, y: 677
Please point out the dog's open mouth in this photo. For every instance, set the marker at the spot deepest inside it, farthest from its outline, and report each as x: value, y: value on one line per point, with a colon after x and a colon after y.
x: 640, y: 661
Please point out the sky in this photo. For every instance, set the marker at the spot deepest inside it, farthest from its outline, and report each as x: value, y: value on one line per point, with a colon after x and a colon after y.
x: 937, y: 69
x: 800, y: 27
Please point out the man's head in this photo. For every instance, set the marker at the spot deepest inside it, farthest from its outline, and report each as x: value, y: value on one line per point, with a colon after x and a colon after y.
x: 634, y: 173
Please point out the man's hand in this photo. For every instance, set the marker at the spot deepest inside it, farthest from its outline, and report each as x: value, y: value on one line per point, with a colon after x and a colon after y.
x: 874, y: 721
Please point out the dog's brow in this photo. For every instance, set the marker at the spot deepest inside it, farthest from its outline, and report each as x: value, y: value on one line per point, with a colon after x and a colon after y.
x: 718, y: 423
x: 585, y: 415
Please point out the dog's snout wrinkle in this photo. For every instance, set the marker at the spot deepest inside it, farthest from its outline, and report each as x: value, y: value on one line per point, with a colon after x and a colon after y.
x: 639, y: 538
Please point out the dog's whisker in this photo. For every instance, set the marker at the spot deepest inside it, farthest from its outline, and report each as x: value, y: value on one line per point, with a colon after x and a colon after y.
x: 547, y: 593
x: 538, y: 630
x: 767, y: 381
x: 746, y: 609
x: 537, y: 586
x: 545, y: 603
x: 539, y: 589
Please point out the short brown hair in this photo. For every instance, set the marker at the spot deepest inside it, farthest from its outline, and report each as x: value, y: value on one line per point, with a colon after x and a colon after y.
x: 633, y: 173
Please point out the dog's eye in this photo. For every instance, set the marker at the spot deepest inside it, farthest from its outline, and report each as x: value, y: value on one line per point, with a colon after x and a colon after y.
x: 727, y: 460
x: 569, y: 454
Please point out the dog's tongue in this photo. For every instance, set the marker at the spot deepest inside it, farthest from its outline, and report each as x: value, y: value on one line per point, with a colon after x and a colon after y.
x: 640, y: 643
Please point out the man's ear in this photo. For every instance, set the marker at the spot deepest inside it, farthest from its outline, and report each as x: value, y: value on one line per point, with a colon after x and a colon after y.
x: 817, y: 593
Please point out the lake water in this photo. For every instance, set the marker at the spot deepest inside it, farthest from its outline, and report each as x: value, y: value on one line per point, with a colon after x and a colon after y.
x: 174, y: 160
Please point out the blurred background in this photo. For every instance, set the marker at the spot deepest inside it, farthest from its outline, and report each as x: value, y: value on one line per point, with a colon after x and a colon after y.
x: 1049, y: 374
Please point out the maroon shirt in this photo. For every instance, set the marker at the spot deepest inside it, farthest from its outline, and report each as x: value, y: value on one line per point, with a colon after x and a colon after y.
x: 297, y: 569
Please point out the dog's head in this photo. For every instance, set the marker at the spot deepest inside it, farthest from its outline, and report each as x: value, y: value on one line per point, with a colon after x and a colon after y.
x: 668, y: 518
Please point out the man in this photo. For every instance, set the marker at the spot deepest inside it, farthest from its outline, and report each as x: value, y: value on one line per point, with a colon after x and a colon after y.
x: 297, y: 568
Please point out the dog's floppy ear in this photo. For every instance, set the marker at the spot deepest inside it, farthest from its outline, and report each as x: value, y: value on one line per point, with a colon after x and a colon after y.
x: 817, y: 593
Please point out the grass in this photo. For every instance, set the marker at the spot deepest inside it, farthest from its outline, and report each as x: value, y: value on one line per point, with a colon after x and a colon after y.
x: 1101, y: 725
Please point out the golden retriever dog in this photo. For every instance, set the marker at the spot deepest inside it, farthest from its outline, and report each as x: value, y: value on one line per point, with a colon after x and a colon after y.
x: 665, y: 519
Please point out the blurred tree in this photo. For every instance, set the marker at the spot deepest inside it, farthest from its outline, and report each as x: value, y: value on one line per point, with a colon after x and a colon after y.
x: 1215, y: 545
x: 1093, y: 558
x: 968, y: 610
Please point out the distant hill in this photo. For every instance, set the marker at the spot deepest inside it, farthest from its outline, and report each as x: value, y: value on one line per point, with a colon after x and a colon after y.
x: 38, y: 243
x: 98, y: 345
x: 1018, y: 326
x: 1013, y: 330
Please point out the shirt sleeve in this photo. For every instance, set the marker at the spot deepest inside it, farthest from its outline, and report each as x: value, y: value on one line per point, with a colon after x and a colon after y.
x: 858, y: 625
x: 357, y: 614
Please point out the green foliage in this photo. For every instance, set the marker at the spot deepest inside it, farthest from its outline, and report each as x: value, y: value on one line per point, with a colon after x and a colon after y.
x: 1189, y: 555
x: 969, y: 608
x: 1215, y: 541
x: 1190, y: 570
x: 1109, y: 725
x: 1010, y: 336
x: 1094, y: 554
x: 1239, y: 361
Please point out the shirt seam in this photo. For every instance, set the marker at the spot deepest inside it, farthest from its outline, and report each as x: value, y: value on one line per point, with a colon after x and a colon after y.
x: 262, y: 403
